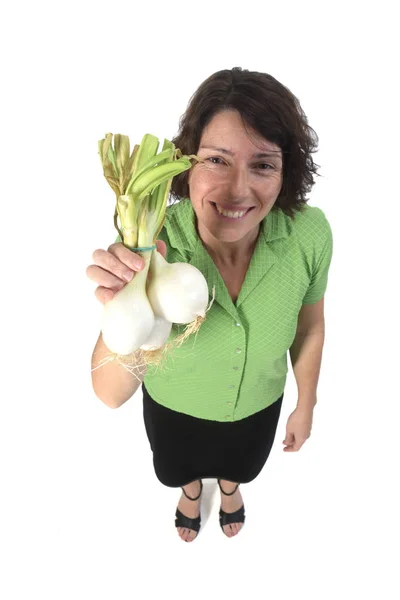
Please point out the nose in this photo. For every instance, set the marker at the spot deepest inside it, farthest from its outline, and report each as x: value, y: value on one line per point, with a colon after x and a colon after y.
x: 239, y: 184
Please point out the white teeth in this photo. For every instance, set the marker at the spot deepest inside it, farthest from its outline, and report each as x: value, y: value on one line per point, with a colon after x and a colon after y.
x: 231, y: 214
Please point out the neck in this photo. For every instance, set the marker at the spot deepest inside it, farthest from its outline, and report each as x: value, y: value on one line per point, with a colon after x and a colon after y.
x: 229, y: 253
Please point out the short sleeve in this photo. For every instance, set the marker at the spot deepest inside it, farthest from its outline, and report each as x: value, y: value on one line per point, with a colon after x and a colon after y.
x: 324, y: 250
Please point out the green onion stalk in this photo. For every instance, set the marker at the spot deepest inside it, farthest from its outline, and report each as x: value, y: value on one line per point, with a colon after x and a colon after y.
x: 141, y: 181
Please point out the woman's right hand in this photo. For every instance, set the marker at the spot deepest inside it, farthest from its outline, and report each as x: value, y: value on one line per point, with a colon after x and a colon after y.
x: 113, y: 268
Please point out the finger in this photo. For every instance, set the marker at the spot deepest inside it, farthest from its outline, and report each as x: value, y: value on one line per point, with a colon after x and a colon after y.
x: 103, y: 294
x: 161, y: 248
x: 127, y: 257
x: 111, y: 263
x: 105, y: 278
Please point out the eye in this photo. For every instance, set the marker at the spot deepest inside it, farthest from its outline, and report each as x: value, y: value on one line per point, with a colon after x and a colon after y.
x: 266, y: 166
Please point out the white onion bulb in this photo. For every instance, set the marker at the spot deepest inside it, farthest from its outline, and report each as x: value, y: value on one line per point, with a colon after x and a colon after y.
x: 128, y: 319
x: 178, y: 292
x: 159, y: 334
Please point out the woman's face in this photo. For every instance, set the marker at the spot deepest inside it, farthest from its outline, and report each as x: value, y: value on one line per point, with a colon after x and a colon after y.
x: 241, y: 178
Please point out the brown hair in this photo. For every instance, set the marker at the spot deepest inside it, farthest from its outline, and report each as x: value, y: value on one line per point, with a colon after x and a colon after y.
x: 268, y: 107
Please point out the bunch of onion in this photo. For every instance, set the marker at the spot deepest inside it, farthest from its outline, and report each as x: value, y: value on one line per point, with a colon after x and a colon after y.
x: 139, y: 318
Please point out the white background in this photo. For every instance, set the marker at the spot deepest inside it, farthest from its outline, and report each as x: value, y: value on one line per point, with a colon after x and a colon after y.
x: 82, y: 514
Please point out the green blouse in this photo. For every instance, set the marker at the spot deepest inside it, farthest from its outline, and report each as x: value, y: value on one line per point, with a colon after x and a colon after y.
x: 237, y: 363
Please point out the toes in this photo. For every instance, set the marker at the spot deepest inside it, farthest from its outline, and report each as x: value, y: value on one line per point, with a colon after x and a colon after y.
x: 191, y: 536
x: 228, y: 530
x: 187, y: 535
x: 232, y: 529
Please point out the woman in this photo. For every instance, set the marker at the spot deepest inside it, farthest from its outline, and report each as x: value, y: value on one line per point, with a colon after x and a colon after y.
x: 242, y: 219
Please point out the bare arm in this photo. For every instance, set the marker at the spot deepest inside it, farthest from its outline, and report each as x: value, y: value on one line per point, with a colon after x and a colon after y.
x: 306, y: 353
x: 112, y: 383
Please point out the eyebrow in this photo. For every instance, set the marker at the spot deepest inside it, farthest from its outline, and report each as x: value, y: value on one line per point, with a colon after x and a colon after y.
x: 270, y: 153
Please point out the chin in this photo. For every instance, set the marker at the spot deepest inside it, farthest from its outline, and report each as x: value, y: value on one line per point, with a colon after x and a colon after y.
x: 228, y: 236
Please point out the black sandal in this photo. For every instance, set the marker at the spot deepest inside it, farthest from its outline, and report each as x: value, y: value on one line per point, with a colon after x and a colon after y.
x: 236, y: 517
x: 183, y: 521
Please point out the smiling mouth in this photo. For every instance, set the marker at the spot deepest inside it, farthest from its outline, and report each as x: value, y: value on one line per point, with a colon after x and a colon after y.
x: 231, y: 214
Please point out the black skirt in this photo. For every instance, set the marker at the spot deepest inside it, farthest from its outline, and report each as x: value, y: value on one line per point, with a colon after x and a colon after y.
x: 186, y: 448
